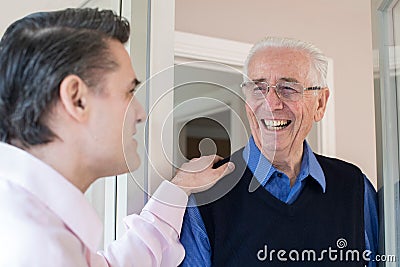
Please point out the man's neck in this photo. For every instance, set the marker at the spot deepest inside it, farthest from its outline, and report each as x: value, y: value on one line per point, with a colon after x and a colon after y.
x: 59, y: 157
x: 288, y: 162
x: 289, y: 166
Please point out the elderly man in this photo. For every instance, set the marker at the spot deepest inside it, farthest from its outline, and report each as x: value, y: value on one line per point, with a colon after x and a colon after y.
x: 68, y: 112
x: 283, y: 204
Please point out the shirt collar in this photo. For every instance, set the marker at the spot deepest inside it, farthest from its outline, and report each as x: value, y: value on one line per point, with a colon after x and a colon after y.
x: 315, y: 169
x: 262, y: 169
x: 54, y: 190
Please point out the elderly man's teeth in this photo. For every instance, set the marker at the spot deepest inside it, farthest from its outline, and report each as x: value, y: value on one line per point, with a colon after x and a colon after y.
x: 276, y: 124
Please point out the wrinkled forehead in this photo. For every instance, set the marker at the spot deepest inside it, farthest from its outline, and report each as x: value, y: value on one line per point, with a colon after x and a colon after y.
x: 276, y: 63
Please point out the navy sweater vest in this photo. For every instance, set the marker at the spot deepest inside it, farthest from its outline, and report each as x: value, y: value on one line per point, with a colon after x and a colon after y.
x: 256, y: 229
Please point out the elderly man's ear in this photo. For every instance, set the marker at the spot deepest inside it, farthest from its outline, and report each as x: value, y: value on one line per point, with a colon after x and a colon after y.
x: 322, y: 101
x: 74, y: 96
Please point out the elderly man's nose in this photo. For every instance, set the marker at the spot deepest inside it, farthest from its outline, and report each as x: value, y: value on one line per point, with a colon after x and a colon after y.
x: 273, y: 99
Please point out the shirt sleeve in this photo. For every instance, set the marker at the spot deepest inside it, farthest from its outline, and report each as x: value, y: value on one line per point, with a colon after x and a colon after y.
x: 194, y: 238
x: 152, y: 238
x: 370, y: 220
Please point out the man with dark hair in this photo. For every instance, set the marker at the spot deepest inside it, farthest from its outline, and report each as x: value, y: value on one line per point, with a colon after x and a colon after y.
x: 284, y: 205
x: 66, y: 86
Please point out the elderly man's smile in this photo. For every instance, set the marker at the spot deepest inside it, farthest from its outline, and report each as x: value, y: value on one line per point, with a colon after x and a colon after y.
x: 275, y: 125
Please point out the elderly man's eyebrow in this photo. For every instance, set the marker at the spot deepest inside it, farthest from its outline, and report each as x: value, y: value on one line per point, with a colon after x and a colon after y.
x: 259, y: 80
x: 285, y: 79
x: 288, y: 79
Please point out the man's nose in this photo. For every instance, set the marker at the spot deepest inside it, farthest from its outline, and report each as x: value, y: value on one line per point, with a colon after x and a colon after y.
x: 273, y: 99
x: 140, y: 113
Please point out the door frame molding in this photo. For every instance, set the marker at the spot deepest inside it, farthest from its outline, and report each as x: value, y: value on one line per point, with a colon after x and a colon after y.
x: 389, y: 128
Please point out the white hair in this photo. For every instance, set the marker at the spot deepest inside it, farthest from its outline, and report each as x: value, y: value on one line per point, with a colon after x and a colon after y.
x: 319, y: 62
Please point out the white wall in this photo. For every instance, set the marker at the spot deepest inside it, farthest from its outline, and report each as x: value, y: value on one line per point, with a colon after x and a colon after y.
x: 341, y: 28
x: 13, y: 10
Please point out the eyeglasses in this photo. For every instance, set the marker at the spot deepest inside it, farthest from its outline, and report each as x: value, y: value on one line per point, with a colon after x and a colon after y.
x: 286, y: 91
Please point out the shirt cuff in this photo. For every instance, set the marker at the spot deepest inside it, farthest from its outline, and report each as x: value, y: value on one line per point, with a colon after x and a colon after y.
x: 169, y: 204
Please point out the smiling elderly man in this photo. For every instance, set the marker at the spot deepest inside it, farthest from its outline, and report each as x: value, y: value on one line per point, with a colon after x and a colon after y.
x: 283, y: 204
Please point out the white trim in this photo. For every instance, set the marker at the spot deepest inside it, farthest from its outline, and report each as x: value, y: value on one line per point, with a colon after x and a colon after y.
x: 160, y: 99
x: 200, y: 47
x: 208, y: 65
x: 394, y: 61
x: 193, y: 47
x: 327, y: 126
x: 109, y: 210
x: 185, y: 113
x: 122, y: 204
x: 375, y: 58
x: 390, y: 132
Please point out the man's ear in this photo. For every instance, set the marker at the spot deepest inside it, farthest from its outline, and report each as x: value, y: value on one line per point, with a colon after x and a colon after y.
x: 322, y: 101
x: 73, y: 96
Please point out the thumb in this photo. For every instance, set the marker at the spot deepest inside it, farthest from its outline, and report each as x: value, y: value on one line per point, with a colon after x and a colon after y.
x: 224, y: 170
x: 217, y: 174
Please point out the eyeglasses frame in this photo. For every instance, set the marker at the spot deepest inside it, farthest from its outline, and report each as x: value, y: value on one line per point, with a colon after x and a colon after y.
x: 311, y: 88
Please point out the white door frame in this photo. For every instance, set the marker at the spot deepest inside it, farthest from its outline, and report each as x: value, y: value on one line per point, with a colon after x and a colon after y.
x: 389, y: 127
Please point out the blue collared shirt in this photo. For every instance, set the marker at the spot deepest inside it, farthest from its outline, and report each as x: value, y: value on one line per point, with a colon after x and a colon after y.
x: 194, y: 236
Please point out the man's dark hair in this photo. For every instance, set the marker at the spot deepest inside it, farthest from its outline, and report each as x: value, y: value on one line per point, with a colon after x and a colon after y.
x: 37, y: 52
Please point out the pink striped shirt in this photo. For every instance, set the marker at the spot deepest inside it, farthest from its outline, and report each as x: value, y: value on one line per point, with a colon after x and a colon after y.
x: 46, y: 221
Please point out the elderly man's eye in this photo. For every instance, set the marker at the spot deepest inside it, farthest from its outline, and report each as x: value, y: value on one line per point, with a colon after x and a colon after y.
x: 260, y: 87
x: 288, y: 89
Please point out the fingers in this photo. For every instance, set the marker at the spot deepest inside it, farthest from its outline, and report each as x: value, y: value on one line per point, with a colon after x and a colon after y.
x: 224, y: 170
x: 210, y: 159
x: 217, y: 158
x: 200, y: 164
x: 198, y: 174
x: 214, y: 175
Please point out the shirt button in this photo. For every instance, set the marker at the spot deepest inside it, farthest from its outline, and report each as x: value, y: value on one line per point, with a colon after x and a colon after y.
x: 279, y: 174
